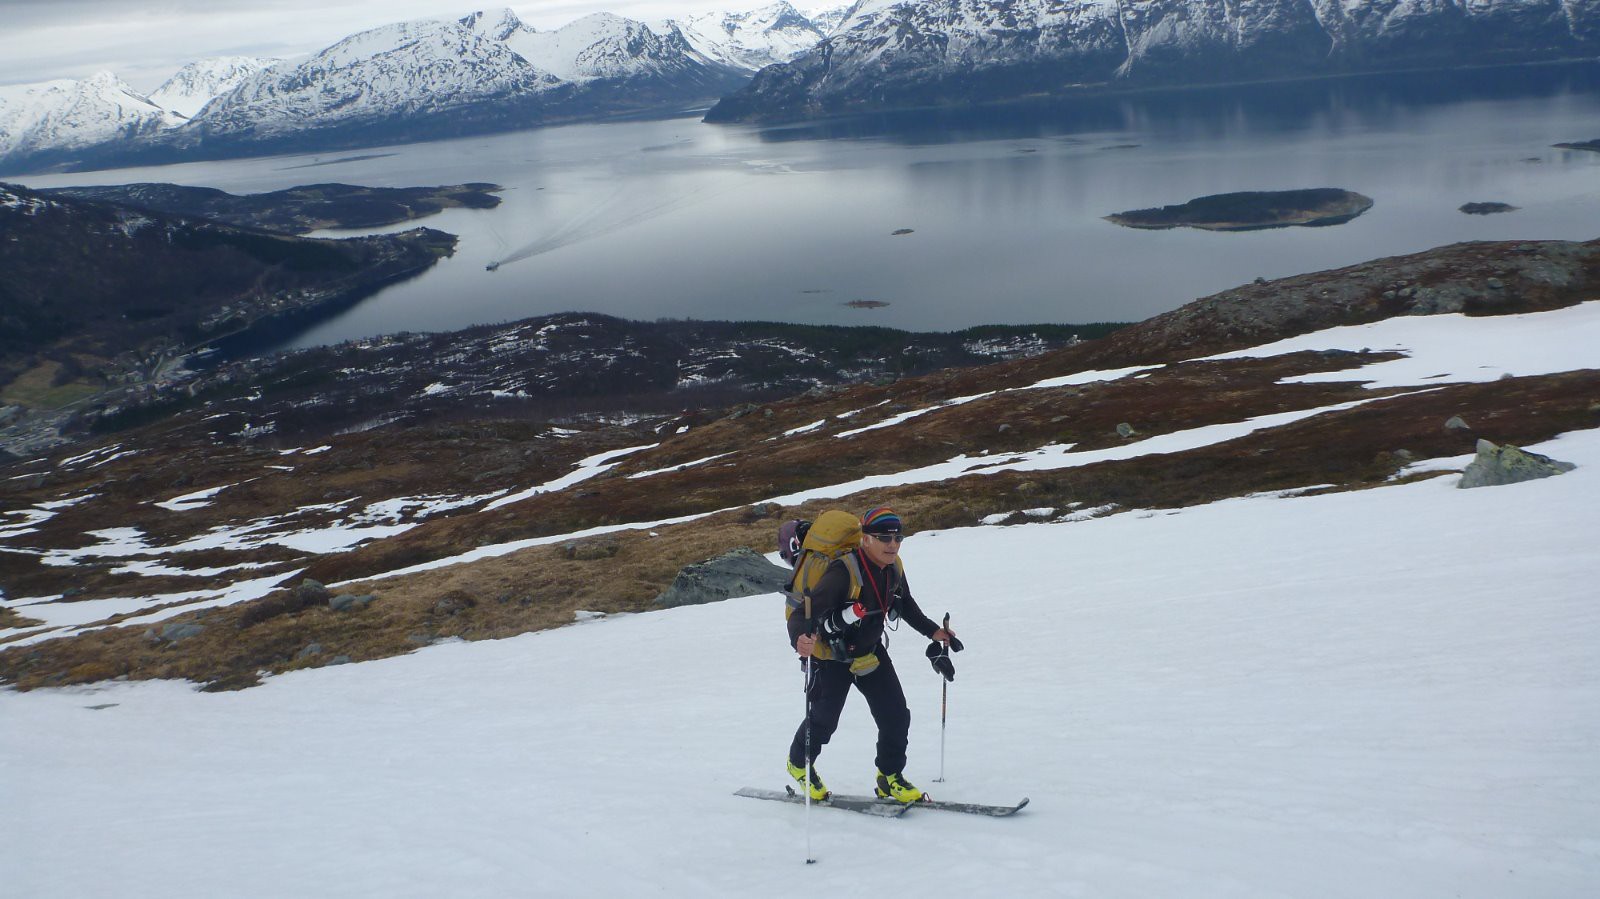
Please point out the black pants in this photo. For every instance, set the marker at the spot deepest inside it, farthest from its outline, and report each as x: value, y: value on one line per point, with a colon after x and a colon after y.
x: 830, y: 687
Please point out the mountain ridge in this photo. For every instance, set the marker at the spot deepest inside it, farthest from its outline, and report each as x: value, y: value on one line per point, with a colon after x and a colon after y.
x: 892, y: 54
x: 425, y: 79
x: 198, y: 83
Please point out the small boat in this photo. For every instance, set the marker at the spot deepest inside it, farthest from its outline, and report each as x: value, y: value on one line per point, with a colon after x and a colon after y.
x: 491, y: 266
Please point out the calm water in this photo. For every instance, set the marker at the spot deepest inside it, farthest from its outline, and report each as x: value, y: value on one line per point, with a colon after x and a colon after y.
x: 680, y: 219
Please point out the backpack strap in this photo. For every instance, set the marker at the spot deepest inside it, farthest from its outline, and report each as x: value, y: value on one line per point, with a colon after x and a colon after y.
x: 795, y: 593
x: 852, y: 566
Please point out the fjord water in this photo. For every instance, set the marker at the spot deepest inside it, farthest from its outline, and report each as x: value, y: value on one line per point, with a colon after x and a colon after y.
x: 675, y: 218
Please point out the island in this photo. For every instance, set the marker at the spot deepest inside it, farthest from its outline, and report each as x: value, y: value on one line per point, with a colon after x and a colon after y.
x: 296, y: 210
x: 1592, y: 145
x: 1486, y: 208
x: 1252, y: 211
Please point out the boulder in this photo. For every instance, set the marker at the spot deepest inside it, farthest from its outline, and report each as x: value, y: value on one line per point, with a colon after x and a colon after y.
x: 739, y: 572
x: 346, y: 602
x: 311, y: 593
x: 176, y: 631
x: 1497, y: 465
x: 454, y: 603
x: 590, y: 550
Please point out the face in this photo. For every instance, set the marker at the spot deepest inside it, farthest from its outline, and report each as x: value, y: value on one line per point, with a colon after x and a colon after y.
x: 878, y: 552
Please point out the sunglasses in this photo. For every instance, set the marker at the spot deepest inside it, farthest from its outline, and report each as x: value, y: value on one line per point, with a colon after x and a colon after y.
x: 888, y: 538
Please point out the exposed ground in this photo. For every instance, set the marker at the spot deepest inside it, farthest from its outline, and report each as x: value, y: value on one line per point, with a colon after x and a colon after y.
x: 738, y: 458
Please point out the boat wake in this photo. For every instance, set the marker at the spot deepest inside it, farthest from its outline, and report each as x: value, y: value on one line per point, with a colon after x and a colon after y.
x: 618, y: 211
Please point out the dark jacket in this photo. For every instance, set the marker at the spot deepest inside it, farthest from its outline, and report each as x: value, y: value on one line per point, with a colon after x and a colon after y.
x: 885, y: 597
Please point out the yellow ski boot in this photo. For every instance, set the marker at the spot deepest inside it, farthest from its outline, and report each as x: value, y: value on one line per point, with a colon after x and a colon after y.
x: 896, y: 787
x: 819, y: 791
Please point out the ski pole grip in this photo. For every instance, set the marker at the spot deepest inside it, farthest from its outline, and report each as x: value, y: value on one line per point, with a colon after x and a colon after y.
x: 954, y: 645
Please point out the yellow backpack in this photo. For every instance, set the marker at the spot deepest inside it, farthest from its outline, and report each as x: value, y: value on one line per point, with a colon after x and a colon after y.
x: 832, y: 536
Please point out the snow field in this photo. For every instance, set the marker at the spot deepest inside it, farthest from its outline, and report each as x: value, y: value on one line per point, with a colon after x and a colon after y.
x: 1390, y: 692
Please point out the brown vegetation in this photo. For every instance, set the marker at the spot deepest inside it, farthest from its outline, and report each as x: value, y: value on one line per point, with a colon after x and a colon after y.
x: 544, y: 584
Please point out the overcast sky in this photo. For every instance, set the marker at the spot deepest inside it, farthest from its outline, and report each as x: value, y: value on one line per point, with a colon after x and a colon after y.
x: 144, y: 41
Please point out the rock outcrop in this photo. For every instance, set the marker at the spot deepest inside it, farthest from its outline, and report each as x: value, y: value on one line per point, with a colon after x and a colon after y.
x: 739, y: 572
x: 1498, y: 465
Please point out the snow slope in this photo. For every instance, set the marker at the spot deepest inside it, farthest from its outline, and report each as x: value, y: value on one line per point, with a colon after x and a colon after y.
x: 1379, y: 693
x: 600, y: 46
x: 1388, y: 692
x: 751, y: 40
x: 410, y: 68
x: 66, y: 114
x: 198, y: 83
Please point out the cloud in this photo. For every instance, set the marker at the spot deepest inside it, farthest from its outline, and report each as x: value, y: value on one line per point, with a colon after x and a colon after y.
x: 145, y: 42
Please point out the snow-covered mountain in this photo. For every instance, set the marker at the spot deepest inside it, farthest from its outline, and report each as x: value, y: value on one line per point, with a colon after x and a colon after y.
x: 416, y: 80
x: 375, y: 78
x: 487, y: 71
x: 199, y: 82
x: 895, y: 52
x: 435, y: 78
x: 599, y: 47
x: 756, y: 39
x: 829, y: 18
x: 65, y: 115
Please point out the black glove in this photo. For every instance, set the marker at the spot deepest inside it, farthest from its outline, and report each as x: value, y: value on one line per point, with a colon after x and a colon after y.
x: 939, y: 655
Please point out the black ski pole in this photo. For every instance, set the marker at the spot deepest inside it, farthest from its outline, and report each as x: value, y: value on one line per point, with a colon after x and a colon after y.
x: 944, y: 704
x: 812, y: 631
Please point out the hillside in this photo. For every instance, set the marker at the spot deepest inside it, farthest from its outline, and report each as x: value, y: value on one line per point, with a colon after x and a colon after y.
x: 1336, y: 693
x: 469, y: 522
x: 146, y: 285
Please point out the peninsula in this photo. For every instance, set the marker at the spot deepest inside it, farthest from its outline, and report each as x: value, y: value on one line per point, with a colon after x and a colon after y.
x: 296, y: 210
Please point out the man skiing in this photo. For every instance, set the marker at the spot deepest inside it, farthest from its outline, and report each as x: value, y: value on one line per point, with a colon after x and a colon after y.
x: 845, y: 642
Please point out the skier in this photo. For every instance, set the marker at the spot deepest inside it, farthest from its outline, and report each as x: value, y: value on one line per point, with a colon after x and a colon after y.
x: 845, y: 641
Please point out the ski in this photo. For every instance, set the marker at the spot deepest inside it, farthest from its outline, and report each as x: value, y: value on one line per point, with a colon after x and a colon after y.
x: 889, y: 808
x: 969, y: 808
x: 864, y: 804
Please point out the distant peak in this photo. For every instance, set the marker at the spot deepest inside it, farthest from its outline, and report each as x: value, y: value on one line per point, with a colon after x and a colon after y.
x: 498, y: 24
x: 601, y: 18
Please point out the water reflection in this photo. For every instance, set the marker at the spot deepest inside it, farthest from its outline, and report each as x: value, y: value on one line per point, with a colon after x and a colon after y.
x: 1321, y: 106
